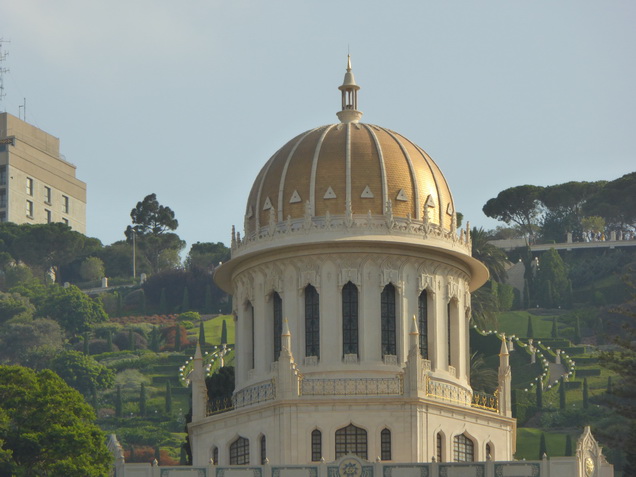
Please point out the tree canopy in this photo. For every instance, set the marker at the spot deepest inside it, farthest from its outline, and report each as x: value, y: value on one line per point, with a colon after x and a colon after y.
x: 520, y: 205
x: 46, y: 427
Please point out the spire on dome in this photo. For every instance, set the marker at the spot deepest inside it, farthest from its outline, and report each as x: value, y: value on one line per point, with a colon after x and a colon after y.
x: 349, y: 89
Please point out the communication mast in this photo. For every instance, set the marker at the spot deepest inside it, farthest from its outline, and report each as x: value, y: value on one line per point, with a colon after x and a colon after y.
x: 3, y: 70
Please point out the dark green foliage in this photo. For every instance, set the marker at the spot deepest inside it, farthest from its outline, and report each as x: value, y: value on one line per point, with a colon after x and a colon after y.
x: 119, y: 405
x: 542, y: 447
x: 142, y: 400
x: 168, y: 405
x: 155, y: 338
x: 20, y: 341
x: 109, y: 341
x: 85, y: 343
x: 562, y: 402
x: 207, y: 255
x: 221, y: 384
x: 131, y: 340
x: 185, y: 302
x: 615, y: 202
x: 555, y: 329
x: 14, y: 305
x: 530, y: 331
x: 493, y: 257
x: 610, y: 388
x: 539, y: 396
x: 82, y: 372
x: 568, y: 445
x: 71, y: 308
x: 552, y: 280
x: 519, y: 205
x: 207, y: 307
x: 577, y: 330
x: 202, y: 334
x: 163, y: 302
x: 46, y: 428
x: 177, y: 339
x: 224, y: 333
x: 586, y: 394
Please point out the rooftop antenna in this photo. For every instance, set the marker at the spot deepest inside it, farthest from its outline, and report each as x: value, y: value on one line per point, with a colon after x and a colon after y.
x: 3, y: 57
x: 23, y: 108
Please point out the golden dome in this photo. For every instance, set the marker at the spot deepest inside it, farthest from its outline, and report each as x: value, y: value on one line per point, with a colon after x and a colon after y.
x: 354, y: 168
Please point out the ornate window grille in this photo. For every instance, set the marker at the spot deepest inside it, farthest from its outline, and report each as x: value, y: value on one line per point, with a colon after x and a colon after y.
x: 449, y: 310
x: 263, y: 450
x: 422, y: 323
x: 278, y: 324
x: 351, y: 440
x: 312, y: 322
x: 385, y: 444
x: 240, y: 452
x: 316, y: 445
x: 463, y: 449
x: 387, y: 311
x: 215, y: 455
x: 438, y: 445
x: 350, y: 319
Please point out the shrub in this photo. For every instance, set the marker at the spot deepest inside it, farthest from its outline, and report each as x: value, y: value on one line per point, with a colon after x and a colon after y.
x: 580, y: 373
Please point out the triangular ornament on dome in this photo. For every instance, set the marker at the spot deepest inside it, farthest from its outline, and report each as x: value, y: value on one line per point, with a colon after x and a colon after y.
x: 449, y: 209
x: 430, y: 202
x: 295, y: 198
x: 250, y: 212
x: 366, y: 193
x: 268, y: 204
x: 401, y: 196
x: 330, y: 194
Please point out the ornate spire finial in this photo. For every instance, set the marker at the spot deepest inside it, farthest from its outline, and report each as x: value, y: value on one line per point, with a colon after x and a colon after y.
x: 349, y: 89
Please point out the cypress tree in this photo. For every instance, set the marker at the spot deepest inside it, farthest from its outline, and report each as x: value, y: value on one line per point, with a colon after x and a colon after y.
x: 177, y: 338
x: 562, y: 402
x: 85, y: 343
x: 118, y: 402
x: 539, y: 396
x: 120, y: 303
x: 610, y: 387
x: 154, y: 339
x: 526, y: 294
x: 513, y: 403
x: 142, y: 400
x: 568, y: 445
x: 185, y: 302
x: 224, y: 333
x: 577, y: 330
x: 109, y: 341
x: 168, y: 398
x: 163, y: 303
x: 201, y: 334
x: 131, y: 340
x: 549, y: 298
x: 542, y: 447
x: 586, y: 396
x: 555, y: 329
x: 208, y: 299
x: 530, y: 331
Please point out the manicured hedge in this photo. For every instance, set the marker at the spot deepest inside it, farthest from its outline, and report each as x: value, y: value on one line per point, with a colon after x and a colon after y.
x: 573, y: 385
x: 574, y: 350
x: 580, y: 373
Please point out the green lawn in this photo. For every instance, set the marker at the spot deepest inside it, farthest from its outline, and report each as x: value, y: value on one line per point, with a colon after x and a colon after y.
x: 528, y: 443
x: 213, y: 329
x: 516, y: 323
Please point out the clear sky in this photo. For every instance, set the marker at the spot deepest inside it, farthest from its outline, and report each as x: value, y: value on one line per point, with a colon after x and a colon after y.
x: 188, y: 99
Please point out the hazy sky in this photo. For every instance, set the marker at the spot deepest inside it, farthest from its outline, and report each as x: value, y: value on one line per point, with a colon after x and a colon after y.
x: 189, y: 99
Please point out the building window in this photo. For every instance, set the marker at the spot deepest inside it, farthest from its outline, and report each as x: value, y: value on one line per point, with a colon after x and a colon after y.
x: 448, y: 332
x: 48, y: 216
x: 312, y: 322
x: 385, y: 444
x: 387, y: 312
x: 350, y: 319
x: 278, y: 324
x: 263, y: 450
x: 422, y: 323
x: 351, y: 440
x: 29, y: 208
x: 438, y: 447
x: 240, y: 452
x: 3, y: 198
x: 65, y: 221
x: 463, y: 449
x: 316, y: 445
x: 250, y: 325
x: 215, y: 455
x: 29, y: 186
x: 47, y: 194
x: 3, y: 216
x: 3, y: 175
x: 489, y: 453
x: 65, y: 204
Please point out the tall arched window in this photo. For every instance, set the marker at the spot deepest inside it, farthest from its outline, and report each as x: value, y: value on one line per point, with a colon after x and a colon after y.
x: 312, y: 322
x: 350, y: 319
x: 385, y: 444
x: 263, y: 450
x: 351, y: 440
x: 438, y: 447
x: 463, y: 449
x: 215, y: 455
x: 490, y: 455
x: 278, y: 324
x: 448, y: 331
x: 316, y: 445
x: 249, y: 319
x: 422, y: 323
x: 387, y: 314
x: 240, y: 452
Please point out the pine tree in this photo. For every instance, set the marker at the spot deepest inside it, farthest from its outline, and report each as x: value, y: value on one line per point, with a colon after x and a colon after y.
x: 118, y: 402
x: 208, y: 299
x: 562, y: 403
x: 542, y: 447
x: 568, y: 445
x: 555, y: 331
x: 539, y: 396
x: 530, y: 331
x: 185, y: 302
x: 177, y: 338
x: 224, y: 333
x: 163, y: 303
x: 142, y: 400
x: 201, y: 335
x: 168, y: 398
x: 586, y: 394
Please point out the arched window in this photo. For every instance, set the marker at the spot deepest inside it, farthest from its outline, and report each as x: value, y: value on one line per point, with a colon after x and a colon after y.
x: 385, y: 444
x: 263, y: 450
x: 312, y: 322
x: 351, y: 440
x: 463, y: 449
x: 240, y: 452
x: 387, y: 314
x: 438, y: 447
x: 278, y: 324
x: 316, y: 445
x: 215, y: 455
x: 490, y: 455
x: 350, y: 319
x: 448, y: 331
x: 249, y: 318
x: 422, y: 323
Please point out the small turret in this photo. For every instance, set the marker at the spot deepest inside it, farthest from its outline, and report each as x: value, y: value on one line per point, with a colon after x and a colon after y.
x: 199, y: 389
x: 504, y: 380
x: 349, y: 89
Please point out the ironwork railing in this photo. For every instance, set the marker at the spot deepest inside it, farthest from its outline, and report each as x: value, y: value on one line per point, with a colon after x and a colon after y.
x: 485, y: 401
x: 352, y: 387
